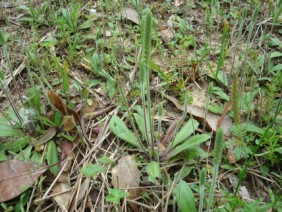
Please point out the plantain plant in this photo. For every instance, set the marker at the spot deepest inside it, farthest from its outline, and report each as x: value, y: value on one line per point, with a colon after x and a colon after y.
x: 148, y: 139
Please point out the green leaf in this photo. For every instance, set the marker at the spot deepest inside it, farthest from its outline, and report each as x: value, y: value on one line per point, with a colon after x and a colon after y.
x: 154, y: 172
x: 220, y: 93
x: 141, y: 123
x: 277, y: 68
x: 16, y: 145
x: 275, y: 54
x: 115, y: 195
x: 86, y: 24
x: 221, y: 77
x: 118, y: 127
x: 184, y: 197
x: 7, y: 130
x: 2, y: 75
x: 275, y: 42
x: 250, y: 127
x: 215, y: 109
x: 111, y: 89
x: 195, y: 152
x: 36, y: 157
x: 195, y: 140
x: 92, y: 170
x: 190, y: 127
x: 105, y: 160
x: 2, y: 38
x: 2, y: 156
x: 52, y: 157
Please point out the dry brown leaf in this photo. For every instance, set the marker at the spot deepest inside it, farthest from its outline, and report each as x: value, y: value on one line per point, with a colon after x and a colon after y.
x: 89, y: 109
x: 16, y: 176
x: 69, y: 123
x: 243, y: 192
x: 67, y: 156
x: 99, y: 112
x: 166, y: 33
x: 83, y: 188
x: 78, y: 193
x: 58, y: 102
x: 231, y: 156
x: 178, y: 3
x: 63, y: 185
x: 108, y: 34
x: 170, y: 132
x: 126, y: 175
x: 131, y: 14
x: 48, y: 135
x: 199, y: 113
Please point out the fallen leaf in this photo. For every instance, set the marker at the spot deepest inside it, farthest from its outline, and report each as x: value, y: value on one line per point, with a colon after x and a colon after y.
x: 199, y: 113
x: 231, y: 156
x: 126, y: 175
x: 131, y: 14
x: 108, y: 34
x: 68, y: 154
x: 243, y: 192
x: 78, y: 193
x: 167, y: 33
x: 83, y: 188
x: 48, y: 135
x: 178, y: 3
x: 98, y: 113
x: 170, y: 132
x: 89, y: 109
x: 63, y: 185
x: 16, y: 176
x: 69, y: 123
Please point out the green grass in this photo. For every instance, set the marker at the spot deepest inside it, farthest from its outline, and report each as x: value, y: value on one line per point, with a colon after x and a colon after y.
x: 211, y: 54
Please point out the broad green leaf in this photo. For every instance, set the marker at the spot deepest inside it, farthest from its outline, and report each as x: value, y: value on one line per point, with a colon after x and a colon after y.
x: 275, y: 42
x: 52, y: 157
x: 2, y: 156
x: 111, y: 89
x: 27, y: 153
x: 36, y: 157
x: 11, y: 114
x: 7, y: 130
x: 277, y: 68
x: 195, y: 140
x: 118, y: 127
x: 141, y: 123
x: 221, y: 77
x: 190, y: 127
x: 184, y: 197
x: 215, y: 109
x: 105, y: 160
x: 184, y: 172
x: 275, y: 54
x: 92, y: 170
x: 250, y: 127
x: 153, y: 170
x: 86, y: 24
x: 220, y: 93
x: 35, y: 96
x: 2, y: 75
x: 15, y: 145
x: 115, y: 195
x: 195, y: 152
x: 2, y: 38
